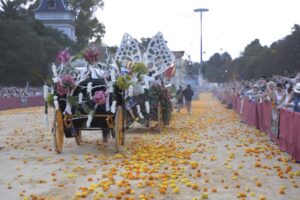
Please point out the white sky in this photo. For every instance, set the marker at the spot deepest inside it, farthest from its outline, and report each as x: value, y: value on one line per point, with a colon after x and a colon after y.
x: 228, y: 26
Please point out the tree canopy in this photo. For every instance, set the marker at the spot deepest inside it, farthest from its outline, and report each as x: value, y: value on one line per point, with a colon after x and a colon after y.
x: 255, y: 61
x: 27, y: 47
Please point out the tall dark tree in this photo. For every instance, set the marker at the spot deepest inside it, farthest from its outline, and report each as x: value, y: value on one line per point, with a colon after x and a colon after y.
x: 217, y: 68
x: 12, y: 9
x: 21, y: 53
x: 87, y: 26
x: 27, y: 47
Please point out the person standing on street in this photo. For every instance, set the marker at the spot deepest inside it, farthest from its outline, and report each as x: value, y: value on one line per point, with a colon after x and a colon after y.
x: 179, y: 97
x: 188, y: 94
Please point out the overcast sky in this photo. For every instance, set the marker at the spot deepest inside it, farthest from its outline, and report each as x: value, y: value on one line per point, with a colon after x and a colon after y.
x: 228, y: 26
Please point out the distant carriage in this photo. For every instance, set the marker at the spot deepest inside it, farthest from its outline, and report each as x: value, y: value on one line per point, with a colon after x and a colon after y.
x: 149, y: 104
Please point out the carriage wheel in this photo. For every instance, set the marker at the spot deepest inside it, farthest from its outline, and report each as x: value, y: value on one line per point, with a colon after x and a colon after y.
x: 118, y: 128
x: 58, y: 131
x: 159, y: 118
x: 78, y: 138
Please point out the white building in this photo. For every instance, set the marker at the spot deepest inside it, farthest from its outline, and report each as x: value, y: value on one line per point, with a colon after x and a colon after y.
x: 55, y: 14
x: 179, y: 64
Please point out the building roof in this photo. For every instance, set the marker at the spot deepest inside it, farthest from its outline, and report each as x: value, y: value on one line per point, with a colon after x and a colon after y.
x: 60, y: 6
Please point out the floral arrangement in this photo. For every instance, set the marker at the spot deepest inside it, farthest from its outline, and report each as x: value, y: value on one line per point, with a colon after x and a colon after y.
x: 100, y: 97
x: 160, y: 93
x: 91, y: 55
x: 144, y: 106
x: 73, y: 89
x: 63, y: 56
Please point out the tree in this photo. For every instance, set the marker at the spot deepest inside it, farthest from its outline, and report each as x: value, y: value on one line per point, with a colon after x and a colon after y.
x: 27, y: 46
x: 217, y: 68
x: 12, y: 9
x: 87, y: 26
x: 21, y: 53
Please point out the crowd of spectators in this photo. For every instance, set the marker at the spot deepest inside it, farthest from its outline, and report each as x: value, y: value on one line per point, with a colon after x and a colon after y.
x: 7, y: 92
x: 282, y: 92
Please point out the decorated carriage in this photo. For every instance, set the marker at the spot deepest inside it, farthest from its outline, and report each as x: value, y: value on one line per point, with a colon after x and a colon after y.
x: 147, y: 99
x: 89, y: 95
x: 85, y: 97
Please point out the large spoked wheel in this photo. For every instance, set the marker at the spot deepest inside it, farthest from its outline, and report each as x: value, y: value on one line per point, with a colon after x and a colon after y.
x: 118, y: 128
x: 160, y: 123
x: 78, y: 138
x: 58, y: 131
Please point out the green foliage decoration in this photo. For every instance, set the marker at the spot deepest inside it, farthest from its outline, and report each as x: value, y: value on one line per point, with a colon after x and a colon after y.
x: 139, y: 69
x: 123, y: 82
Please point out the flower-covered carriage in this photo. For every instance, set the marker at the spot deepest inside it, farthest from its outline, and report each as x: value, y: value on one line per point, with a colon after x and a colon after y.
x: 85, y: 97
x: 147, y: 98
x: 88, y: 95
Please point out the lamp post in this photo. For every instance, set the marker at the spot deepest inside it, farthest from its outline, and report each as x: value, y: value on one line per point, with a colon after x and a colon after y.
x: 200, y: 10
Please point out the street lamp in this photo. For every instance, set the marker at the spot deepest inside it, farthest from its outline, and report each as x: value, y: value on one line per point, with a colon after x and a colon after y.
x: 201, y: 10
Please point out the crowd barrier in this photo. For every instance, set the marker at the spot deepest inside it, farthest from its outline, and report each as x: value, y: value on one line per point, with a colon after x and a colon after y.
x: 259, y: 115
x: 21, y: 102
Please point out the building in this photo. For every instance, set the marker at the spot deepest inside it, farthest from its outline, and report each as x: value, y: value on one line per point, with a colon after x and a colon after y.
x: 181, y: 78
x: 55, y: 14
x: 179, y: 64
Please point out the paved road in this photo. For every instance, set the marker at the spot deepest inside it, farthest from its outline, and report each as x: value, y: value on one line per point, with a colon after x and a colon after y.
x: 209, y: 154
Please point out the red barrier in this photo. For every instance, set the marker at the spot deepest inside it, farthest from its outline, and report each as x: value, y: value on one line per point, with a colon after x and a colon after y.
x: 238, y: 102
x: 260, y: 116
x: 9, y: 103
x: 267, y: 119
x: 36, y: 101
x: 285, y: 119
x: 289, y: 137
x: 296, y: 132
x: 18, y: 102
x: 249, y: 114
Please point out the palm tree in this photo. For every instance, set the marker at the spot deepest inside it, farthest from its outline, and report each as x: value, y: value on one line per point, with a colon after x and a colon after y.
x: 11, y: 9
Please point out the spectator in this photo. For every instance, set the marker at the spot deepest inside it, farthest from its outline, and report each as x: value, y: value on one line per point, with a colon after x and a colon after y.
x: 270, y: 93
x: 288, y: 104
x: 280, y: 95
x: 296, y: 98
x: 7, y: 92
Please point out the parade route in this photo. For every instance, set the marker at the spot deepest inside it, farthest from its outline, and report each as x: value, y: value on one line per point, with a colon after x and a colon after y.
x: 207, y: 155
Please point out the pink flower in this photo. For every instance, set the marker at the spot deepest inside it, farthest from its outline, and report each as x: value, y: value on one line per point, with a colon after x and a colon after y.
x: 91, y: 55
x: 63, y: 56
x: 60, y: 89
x: 68, y: 81
x: 100, y: 97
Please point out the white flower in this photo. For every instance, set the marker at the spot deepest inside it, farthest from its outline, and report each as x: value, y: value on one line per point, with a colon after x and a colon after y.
x: 139, y: 111
x: 55, y: 103
x: 55, y: 79
x: 112, y: 75
x: 147, y: 105
x: 130, y: 91
x: 89, y: 120
x: 107, y: 107
x: 68, y: 110
x: 54, y: 70
x: 80, y: 98
x: 110, y: 87
x: 89, y: 89
x: 113, y: 107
